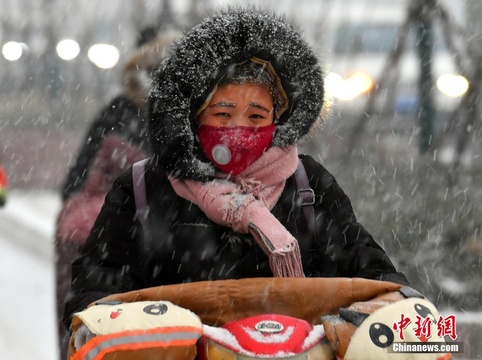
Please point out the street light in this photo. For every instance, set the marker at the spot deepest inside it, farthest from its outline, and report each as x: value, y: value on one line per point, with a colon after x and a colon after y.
x: 68, y: 49
x: 13, y: 50
x: 104, y: 56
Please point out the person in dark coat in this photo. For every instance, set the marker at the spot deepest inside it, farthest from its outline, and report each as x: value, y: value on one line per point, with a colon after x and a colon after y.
x: 227, y: 110
x: 116, y: 139
x: 125, y: 115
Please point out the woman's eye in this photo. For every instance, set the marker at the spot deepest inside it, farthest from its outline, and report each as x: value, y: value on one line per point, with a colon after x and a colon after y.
x: 222, y: 114
x: 256, y: 116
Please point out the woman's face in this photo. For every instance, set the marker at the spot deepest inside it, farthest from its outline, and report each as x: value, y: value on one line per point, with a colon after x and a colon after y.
x: 247, y: 104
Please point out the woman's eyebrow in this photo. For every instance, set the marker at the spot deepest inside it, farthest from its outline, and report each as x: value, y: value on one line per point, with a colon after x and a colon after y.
x: 259, y: 106
x: 222, y: 104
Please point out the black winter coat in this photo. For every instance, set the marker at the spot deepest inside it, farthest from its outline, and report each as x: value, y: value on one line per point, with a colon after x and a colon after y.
x: 186, y: 246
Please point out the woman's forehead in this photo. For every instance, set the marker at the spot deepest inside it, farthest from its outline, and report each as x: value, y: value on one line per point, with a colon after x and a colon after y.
x: 242, y: 92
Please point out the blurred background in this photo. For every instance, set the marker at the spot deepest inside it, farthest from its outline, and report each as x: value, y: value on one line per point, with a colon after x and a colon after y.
x: 403, y: 137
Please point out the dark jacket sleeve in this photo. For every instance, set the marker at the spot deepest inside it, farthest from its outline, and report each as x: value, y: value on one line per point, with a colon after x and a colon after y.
x: 346, y: 247
x: 105, y: 266
x: 108, y: 120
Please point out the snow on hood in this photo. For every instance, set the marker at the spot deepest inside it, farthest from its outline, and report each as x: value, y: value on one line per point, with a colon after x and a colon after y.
x: 182, y: 82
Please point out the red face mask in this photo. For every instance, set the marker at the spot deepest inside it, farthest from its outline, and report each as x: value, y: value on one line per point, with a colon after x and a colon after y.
x: 232, y: 149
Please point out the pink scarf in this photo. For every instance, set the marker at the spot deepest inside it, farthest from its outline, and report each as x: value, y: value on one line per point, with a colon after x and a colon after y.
x: 243, y: 203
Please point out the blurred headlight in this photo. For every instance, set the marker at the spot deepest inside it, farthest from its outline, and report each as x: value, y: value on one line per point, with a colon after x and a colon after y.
x: 452, y: 85
x: 349, y: 88
x: 103, y: 56
x: 68, y: 49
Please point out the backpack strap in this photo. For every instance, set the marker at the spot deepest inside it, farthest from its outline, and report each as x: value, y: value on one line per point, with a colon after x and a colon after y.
x: 306, y: 194
x: 139, y: 184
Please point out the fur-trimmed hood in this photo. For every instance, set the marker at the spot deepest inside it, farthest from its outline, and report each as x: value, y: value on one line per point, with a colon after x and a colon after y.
x: 183, y: 81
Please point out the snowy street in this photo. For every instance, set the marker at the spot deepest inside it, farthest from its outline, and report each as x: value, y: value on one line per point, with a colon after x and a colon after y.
x: 27, y: 323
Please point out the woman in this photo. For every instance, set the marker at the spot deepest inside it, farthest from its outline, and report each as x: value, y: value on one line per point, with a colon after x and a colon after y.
x: 227, y: 109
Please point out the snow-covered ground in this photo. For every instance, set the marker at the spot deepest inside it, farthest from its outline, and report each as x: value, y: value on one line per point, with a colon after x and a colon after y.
x: 27, y: 321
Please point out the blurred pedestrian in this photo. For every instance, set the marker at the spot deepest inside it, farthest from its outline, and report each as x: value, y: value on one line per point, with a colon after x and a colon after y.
x: 115, y: 140
x: 125, y: 115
